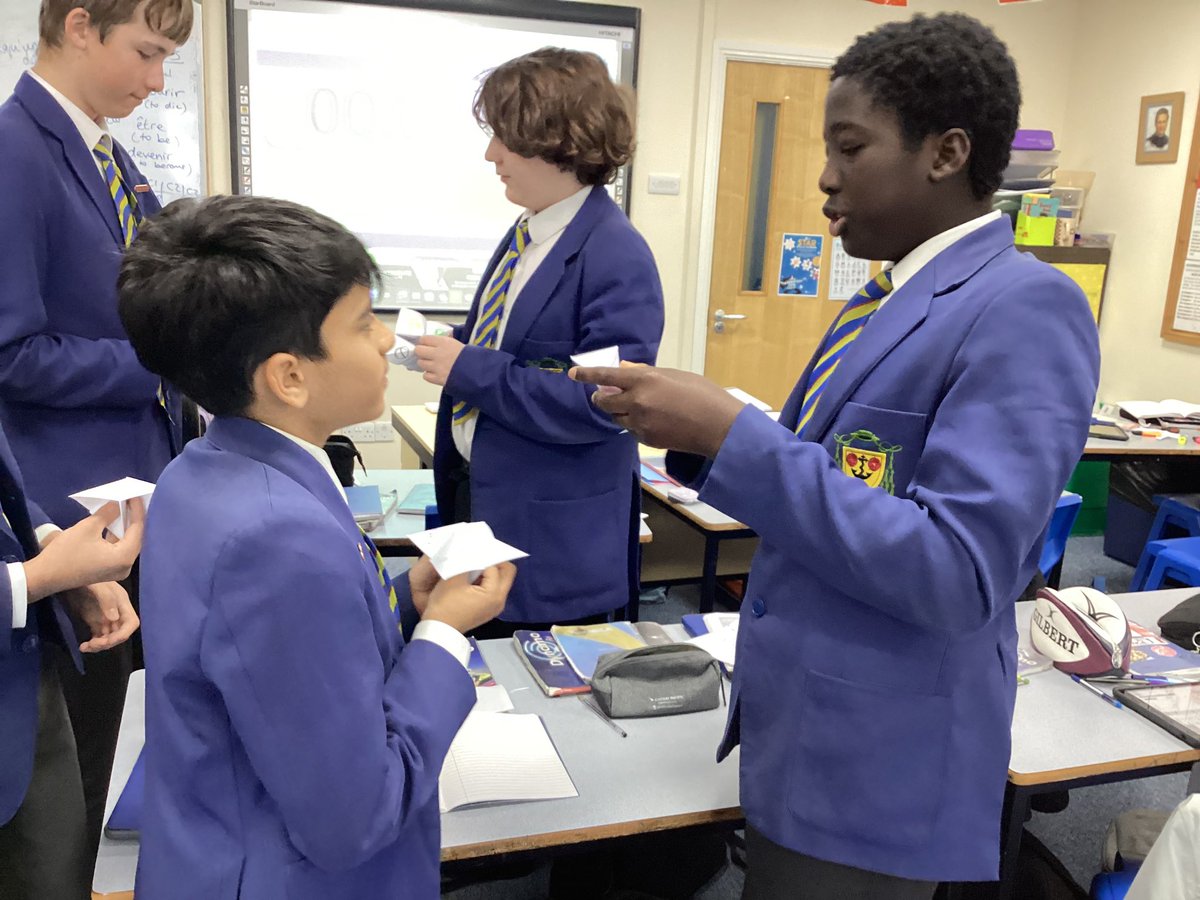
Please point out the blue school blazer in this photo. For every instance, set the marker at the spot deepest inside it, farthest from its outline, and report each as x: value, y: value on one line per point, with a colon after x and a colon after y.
x: 876, y: 671
x: 79, y: 407
x: 549, y: 473
x: 293, y: 742
x: 21, y: 648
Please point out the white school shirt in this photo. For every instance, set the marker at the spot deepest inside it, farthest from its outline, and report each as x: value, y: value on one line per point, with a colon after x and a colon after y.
x: 545, y: 228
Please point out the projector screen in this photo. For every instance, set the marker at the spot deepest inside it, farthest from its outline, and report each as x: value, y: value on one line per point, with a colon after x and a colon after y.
x: 362, y: 110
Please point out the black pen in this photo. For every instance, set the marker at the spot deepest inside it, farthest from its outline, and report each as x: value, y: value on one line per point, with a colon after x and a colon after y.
x: 607, y: 721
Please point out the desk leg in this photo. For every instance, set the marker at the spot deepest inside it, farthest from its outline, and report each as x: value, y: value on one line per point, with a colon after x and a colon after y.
x: 1012, y: 826
x: 708, y: 579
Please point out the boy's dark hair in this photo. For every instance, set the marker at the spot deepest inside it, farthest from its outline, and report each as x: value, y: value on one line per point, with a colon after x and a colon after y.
x: 560, y: 106
x: 942, y: 72
x: 170, y: 18
x: 212, y: 288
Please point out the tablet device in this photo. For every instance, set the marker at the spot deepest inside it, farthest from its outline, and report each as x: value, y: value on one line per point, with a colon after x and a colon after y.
x: 1108, y: 432
x: 1173, y: 707
x: 126, y: 817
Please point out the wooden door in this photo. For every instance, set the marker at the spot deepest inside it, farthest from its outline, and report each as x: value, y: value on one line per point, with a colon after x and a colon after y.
x: 768, y: 223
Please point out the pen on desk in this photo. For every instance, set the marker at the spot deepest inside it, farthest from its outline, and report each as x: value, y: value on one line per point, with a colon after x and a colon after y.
x: 607, y: 721
x: 1132, y: 679
x: 1107, y: 698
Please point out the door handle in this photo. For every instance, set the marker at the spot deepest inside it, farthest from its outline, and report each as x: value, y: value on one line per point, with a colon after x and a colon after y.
x: 720, y: 317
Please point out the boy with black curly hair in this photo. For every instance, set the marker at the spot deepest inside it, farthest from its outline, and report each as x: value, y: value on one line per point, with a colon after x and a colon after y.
x: 903, y: 504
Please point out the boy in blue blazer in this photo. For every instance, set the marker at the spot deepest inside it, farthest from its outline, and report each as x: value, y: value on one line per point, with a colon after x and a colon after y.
x: 293, y: 738
x: 79, y: 409
x: 49, y: 574
x: 902, y: 497
x: 518, y: 444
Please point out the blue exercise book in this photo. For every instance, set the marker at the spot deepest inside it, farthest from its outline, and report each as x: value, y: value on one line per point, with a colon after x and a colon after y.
x: 364, y: 501
x: 126, y: 816
x: 417, y: 499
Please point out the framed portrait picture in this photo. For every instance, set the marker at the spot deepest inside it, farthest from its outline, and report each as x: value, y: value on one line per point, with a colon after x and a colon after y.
x: 1159, y: 127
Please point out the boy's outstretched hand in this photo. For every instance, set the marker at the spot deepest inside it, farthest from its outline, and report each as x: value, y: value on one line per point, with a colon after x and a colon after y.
x: 81, y: 555
x: 105, y: 609
x: 664, y: 407
x: 461, y: 604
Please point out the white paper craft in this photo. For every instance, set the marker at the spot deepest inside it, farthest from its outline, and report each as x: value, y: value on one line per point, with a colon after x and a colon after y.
x: 120, y: 492
x: 606, y: 357
x: 464, y: 547
x: 411, y: 326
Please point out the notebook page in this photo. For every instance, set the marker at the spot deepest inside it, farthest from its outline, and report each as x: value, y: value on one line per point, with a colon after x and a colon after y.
x: 502, y: 757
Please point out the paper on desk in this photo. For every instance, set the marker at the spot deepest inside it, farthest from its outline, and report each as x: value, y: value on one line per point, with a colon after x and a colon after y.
x: 720, y: 644
x: 607, y: 357
x: 464, y: 547
x: 120, y: 492
x: 492, y: 698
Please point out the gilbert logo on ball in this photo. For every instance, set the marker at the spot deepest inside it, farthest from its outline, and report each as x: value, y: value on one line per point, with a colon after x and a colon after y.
x: 1082, y: 630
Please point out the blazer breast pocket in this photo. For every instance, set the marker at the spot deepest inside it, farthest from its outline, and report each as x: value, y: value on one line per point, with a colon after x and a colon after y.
x: 878, y: 446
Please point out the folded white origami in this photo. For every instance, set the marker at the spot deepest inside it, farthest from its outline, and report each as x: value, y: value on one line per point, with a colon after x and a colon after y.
x: 120, y: 492
x: 464, y: 547
x: 608, y: 357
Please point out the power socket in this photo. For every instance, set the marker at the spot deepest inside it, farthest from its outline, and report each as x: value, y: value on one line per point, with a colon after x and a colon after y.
x: 368, y: 432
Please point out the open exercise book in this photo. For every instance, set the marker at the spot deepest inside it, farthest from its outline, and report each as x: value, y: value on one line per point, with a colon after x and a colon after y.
x: 502, y: 757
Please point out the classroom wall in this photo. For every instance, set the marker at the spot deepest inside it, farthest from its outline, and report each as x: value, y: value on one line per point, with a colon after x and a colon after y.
x: 674, y: 90
x: 1070, y: 85
x: 1126, y: 51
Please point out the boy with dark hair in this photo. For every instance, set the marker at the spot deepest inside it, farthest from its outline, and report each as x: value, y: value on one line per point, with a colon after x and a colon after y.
x: 79, y: 409
x: 903, y: 505
x: 518, y: 444
x: 293, y: 739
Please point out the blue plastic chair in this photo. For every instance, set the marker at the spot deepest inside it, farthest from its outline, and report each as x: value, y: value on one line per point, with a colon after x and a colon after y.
x: 1176, y: 512
x: 1065, y: 513
x: 1177, y: 559
x: 1114, y: 885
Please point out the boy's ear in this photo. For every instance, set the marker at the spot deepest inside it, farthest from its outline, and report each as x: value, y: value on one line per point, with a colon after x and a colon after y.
x: 76, y: 26
x: 280, y: 379
x: 951, y: 154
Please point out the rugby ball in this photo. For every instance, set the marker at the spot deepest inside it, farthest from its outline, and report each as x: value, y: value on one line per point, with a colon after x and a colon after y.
x: 1082, y: 630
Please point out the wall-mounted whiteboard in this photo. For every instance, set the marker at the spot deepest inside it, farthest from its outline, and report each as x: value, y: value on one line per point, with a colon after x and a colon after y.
x: 165, y: 135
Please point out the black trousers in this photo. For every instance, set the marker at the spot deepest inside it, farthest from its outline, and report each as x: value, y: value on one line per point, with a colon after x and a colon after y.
x: 43, y: 853
x: 95, y: 701
x: 777, y: 873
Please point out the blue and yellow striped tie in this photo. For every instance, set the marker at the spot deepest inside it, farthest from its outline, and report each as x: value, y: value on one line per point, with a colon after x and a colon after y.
x: 849, y: 326
x: 384, y: 578
x: 123, y: 201
x: 491, y: 311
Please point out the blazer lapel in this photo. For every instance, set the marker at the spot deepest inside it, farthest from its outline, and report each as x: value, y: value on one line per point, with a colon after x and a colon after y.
x: 48, y: 114
x: 904, y: 311
x: 540, y: 288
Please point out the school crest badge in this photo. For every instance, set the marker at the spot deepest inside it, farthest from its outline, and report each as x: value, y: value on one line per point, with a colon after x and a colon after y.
x: 862, y: 455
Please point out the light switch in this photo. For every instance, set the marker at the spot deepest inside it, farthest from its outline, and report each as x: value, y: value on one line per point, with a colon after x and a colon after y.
x: 664, y: 184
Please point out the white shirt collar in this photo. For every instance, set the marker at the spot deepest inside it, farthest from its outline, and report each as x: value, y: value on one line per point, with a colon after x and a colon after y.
x: 916, y: 260
x: 554, y: 218
x: 89, y: 130
x: 317, y: 453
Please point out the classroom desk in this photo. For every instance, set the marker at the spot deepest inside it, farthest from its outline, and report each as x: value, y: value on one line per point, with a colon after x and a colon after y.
x: 663, y: 776
x: 416, y: 426
x: 712, y: 525
x: 391, y: 536
x: 1099, y: 449
x: 1063, y: 739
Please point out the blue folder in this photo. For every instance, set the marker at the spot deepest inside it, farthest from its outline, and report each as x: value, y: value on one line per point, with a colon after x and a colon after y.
x: 126, y: 816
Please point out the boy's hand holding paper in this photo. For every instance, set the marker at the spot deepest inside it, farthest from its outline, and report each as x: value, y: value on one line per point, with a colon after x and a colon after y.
x: 120, y: 492
x: 411, y: 326
x: 81, y: 556
x: 461, y: 554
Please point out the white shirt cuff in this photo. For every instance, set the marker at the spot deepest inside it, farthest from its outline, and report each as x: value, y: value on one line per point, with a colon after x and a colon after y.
x: 44, y: 531
x: 20, y: 594
x: 445, y: 637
